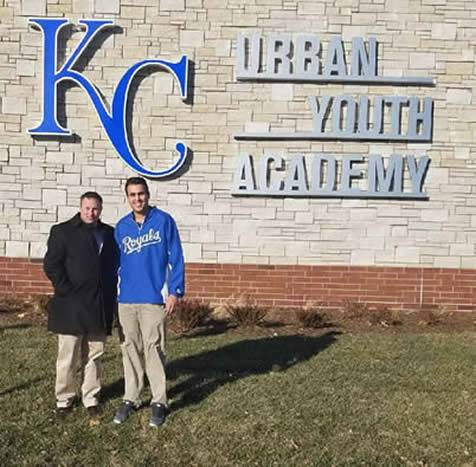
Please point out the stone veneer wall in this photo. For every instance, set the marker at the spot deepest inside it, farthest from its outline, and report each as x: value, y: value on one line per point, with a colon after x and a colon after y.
x: 41, y: 179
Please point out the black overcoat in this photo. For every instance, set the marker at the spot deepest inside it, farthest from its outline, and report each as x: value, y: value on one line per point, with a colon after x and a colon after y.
x: 84, y: 280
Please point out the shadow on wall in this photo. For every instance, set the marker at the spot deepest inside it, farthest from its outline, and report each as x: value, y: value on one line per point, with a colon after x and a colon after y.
x: 208, y: 371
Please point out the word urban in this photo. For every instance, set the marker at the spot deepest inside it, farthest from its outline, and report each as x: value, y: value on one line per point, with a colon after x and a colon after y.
x: 326, y: 176
x: 114, y: 121
x: 280, y: 57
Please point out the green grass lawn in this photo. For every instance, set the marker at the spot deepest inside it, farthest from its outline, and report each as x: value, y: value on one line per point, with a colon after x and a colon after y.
x: 337, y: 399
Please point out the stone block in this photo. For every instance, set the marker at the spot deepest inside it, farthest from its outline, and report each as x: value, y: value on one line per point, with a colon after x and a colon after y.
x: 69, y: 179
x: 229, y: 257
x: 163, y: 83
x: 204, y: 187
x: 26, y: 67
x: 107, y: 6
x: 461, y: 249
x: 468, y: 262
x: 32, y: 173
x: 420, y: 60
x: 362, y: 257
x: 16, y: 249
x: 282, y: 91
x: 459, y: 96
x: 14, y: 105
x: 133, y: 12
x: 223, y: 48
x: 59, y: 157
x: 4, y: 155
x: 179, y: 199
x: 443, y: 31
x: 33, y: 7
x: 4, y: 233
x: 67, y: 212
x: 202, y: 236
x: 297, y: 249
x: 37, y: 249
x: 256, y: 127
x: 53, y: 198
x: 272, y: 249
x: 434, y: 215
x: 172, y: 5
x: 447, y: 262
x: 83, y: 6
x: 192, y: 39
x: 192, y: 251
x: 437, y: 176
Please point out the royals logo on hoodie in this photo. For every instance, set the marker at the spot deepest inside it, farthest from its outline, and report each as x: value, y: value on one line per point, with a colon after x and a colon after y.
x: 135, y: 244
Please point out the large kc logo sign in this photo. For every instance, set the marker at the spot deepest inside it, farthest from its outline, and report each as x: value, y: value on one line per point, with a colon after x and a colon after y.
x: 113, y: 121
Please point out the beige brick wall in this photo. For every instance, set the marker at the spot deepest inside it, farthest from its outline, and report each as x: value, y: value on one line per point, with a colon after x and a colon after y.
x: 41, y: 180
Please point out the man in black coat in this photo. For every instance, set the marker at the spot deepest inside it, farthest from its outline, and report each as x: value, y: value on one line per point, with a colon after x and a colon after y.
x: 81, y: 262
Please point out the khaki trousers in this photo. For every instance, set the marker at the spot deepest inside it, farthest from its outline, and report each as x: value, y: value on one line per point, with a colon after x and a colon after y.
x: 143, y: 348
x: 74, y: 353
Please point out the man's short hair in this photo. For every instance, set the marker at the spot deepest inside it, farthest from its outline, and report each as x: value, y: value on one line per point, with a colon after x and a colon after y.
x: 137, y: 181
x: 91, y: 195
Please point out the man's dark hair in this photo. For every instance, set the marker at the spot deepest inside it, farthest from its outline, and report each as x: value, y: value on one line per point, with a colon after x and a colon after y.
x: 137, y: 181
x: 91, y: 195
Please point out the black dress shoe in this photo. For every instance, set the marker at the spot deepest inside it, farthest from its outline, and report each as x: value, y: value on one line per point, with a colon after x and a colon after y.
x: 158, y: 414
x: 93, y: 411
x: 62, y: 412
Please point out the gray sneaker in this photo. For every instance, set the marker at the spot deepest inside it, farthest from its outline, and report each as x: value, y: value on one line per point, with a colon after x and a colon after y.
x: 124, y: 411
x: 158, y: 414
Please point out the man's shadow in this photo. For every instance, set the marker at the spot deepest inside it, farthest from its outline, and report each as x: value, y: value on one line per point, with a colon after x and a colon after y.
x: 206, y: 372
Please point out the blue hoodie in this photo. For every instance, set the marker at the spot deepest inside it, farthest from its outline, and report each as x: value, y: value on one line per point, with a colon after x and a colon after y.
x: 152, y: 264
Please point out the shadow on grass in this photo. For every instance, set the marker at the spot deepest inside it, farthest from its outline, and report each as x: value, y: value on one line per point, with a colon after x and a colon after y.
x: 208, y: 371
x: 15, y: 326
x: 212, y: 328
x: 113, y: 390
x: 216, y: 327
x: 19, y: 387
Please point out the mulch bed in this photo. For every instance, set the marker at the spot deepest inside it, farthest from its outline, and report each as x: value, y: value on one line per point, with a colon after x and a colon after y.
x: 15, y: 312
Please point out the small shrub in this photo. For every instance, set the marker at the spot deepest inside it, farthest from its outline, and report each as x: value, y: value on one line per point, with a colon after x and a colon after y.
x: 246, y: 313
x: 12, y: 304
x: 190, y: 314
x: 311, y: 318
x: 383, y: 317
x: 431, y: 315
x: 355, y: 310
x: 40, y: 303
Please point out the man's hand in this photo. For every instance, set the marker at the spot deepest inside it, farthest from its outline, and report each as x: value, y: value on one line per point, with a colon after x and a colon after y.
x: 170, y: 304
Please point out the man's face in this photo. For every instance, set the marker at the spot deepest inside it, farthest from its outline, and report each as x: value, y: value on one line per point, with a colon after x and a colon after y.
x: 138, y: 198
x: 90, y: 210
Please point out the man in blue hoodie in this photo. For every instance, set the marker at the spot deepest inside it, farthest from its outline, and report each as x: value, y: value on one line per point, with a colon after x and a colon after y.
x: 151, y: 279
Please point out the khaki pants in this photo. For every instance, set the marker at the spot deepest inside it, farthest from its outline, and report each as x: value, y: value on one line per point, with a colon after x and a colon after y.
x: 74, y: 353
x: 143, y: 348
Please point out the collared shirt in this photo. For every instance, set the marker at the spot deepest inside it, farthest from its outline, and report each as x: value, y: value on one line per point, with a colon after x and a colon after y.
x: 99, y: 239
